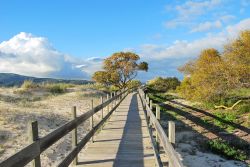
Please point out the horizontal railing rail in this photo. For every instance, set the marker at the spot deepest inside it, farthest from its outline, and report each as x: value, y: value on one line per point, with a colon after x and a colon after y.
x: 174, y: 160
x: 32, y: 151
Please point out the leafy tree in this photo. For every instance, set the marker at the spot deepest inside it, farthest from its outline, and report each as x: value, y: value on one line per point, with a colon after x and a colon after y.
x: 134, y: 84
x: 164, y: 84
x: 212, y: 76
x: 120, y: 69
x: 237, y: 61
x: 205, y: 74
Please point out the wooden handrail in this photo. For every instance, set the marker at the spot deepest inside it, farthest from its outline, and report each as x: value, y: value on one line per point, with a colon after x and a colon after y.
x: 33, y: 150
x: 174, y: 160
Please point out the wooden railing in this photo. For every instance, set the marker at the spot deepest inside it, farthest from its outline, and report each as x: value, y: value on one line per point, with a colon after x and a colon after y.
x: 161, y: 137
x: 32, y: 152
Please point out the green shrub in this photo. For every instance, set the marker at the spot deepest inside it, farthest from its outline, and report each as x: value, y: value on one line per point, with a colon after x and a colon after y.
x: 223, y: 148
x: 96, y: 86
x: 226, y: 116
x: 164, y: 84
x: 243, y: 108
x: 57, y: 88
x: 28, y: 84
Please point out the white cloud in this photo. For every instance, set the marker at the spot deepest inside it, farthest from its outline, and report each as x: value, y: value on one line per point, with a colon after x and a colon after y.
x: 190, y: 10
x: 165, y: 59
x: 207, y: 26
x: 227, y: 18
x: 194, y: 8
x: 185, y: 49
x: 35, y: 56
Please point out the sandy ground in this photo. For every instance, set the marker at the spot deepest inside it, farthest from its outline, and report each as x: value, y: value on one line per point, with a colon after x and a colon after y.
x: 51, y: 111
x: 190, y: 140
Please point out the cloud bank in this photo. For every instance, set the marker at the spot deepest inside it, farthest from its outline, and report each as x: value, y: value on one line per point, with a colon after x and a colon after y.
x: 165, y: 59
x: 27, y: 54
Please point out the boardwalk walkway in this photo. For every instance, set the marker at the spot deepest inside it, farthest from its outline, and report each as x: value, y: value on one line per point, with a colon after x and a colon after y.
x: 124, y: 140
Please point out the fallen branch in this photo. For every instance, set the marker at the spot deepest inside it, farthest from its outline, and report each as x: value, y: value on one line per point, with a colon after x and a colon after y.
x: 228, y: 108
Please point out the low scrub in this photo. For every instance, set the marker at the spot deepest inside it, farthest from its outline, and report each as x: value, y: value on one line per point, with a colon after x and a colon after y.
x: 96, y: 86
x: 28, y: 84
x: 223, y: 148
x: 225, y: 116
x: 57, y: 88
x: 163, y: 84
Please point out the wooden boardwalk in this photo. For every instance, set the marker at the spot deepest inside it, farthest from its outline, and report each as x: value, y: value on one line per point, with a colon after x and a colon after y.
x: 124, y: 140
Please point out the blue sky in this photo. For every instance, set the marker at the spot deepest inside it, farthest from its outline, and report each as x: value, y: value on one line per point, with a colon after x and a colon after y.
x: 69, y: 39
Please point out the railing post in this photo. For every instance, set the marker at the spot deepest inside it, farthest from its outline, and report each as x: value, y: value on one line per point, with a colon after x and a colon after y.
x: 92, y: 119
x: 74, y: 135
x: 111, y: 95
x: 34, y: 136
x: 151, y: 108
x: 151, y: 105
x: 147, y: 99
x: 115, y: 99
x: 171, y: 132
x: 158, y: 117
x: 102, y: 103
x: 108, y: 104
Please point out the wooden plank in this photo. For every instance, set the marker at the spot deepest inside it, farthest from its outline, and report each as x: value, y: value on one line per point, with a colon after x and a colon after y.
x: 32, y: 151
x: 23, y: 157
x: 60, y: 132
x: 33, y: 137
x: 69, y: 158
x: 168, y: 148
x: 124, y: 140
x: 74, y: 134
x: 171, y: 132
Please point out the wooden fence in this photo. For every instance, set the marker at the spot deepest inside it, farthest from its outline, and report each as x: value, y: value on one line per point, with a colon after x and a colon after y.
x: 161, y: 137
x: 32, y: 152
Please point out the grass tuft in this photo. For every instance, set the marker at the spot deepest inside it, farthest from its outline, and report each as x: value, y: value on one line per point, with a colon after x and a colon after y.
x: 221, y: 147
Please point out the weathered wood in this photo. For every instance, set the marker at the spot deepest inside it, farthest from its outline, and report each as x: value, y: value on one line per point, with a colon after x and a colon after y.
x: 124, y: 140
x: 92, y: 119
x: 74, y: 134
x: 101, y: 103
x: 30, y: 152
x: 23, y: 157
x: 171, y: 132
x: 69, y: 158
x: 33, y: 137
x: 167, y: 146
x: 151, y: 104
x: 158, y: 117
x: 54, y: 136
x: 108, y: 104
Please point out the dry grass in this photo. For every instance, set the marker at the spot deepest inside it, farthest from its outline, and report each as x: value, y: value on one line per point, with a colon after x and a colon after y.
x: 51, y: 111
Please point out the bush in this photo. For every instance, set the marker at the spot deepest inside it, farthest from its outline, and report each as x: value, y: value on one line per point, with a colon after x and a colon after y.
x: 96, y: 86
x: 57, y: 88
x: 244, y: 108
x: 222, y: 147
x: 28, y: 84
x: 226, y: 116
x: 212, y: 75
x: 164, y: 84
x: 133, y: 84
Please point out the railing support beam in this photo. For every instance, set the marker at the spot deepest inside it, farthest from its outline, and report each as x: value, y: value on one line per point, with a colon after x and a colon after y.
x: 34, y: 136
x: 74, y: 135
x: 158, y: 117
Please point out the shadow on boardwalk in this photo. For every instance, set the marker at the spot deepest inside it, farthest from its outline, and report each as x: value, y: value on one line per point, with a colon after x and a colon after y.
x: 124, y: 140
x: 131, y: 141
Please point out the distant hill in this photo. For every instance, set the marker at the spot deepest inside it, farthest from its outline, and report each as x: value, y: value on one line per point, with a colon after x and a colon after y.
x: 10, y: 79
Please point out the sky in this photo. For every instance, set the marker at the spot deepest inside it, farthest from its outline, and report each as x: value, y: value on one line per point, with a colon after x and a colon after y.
x: 70, y: 39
